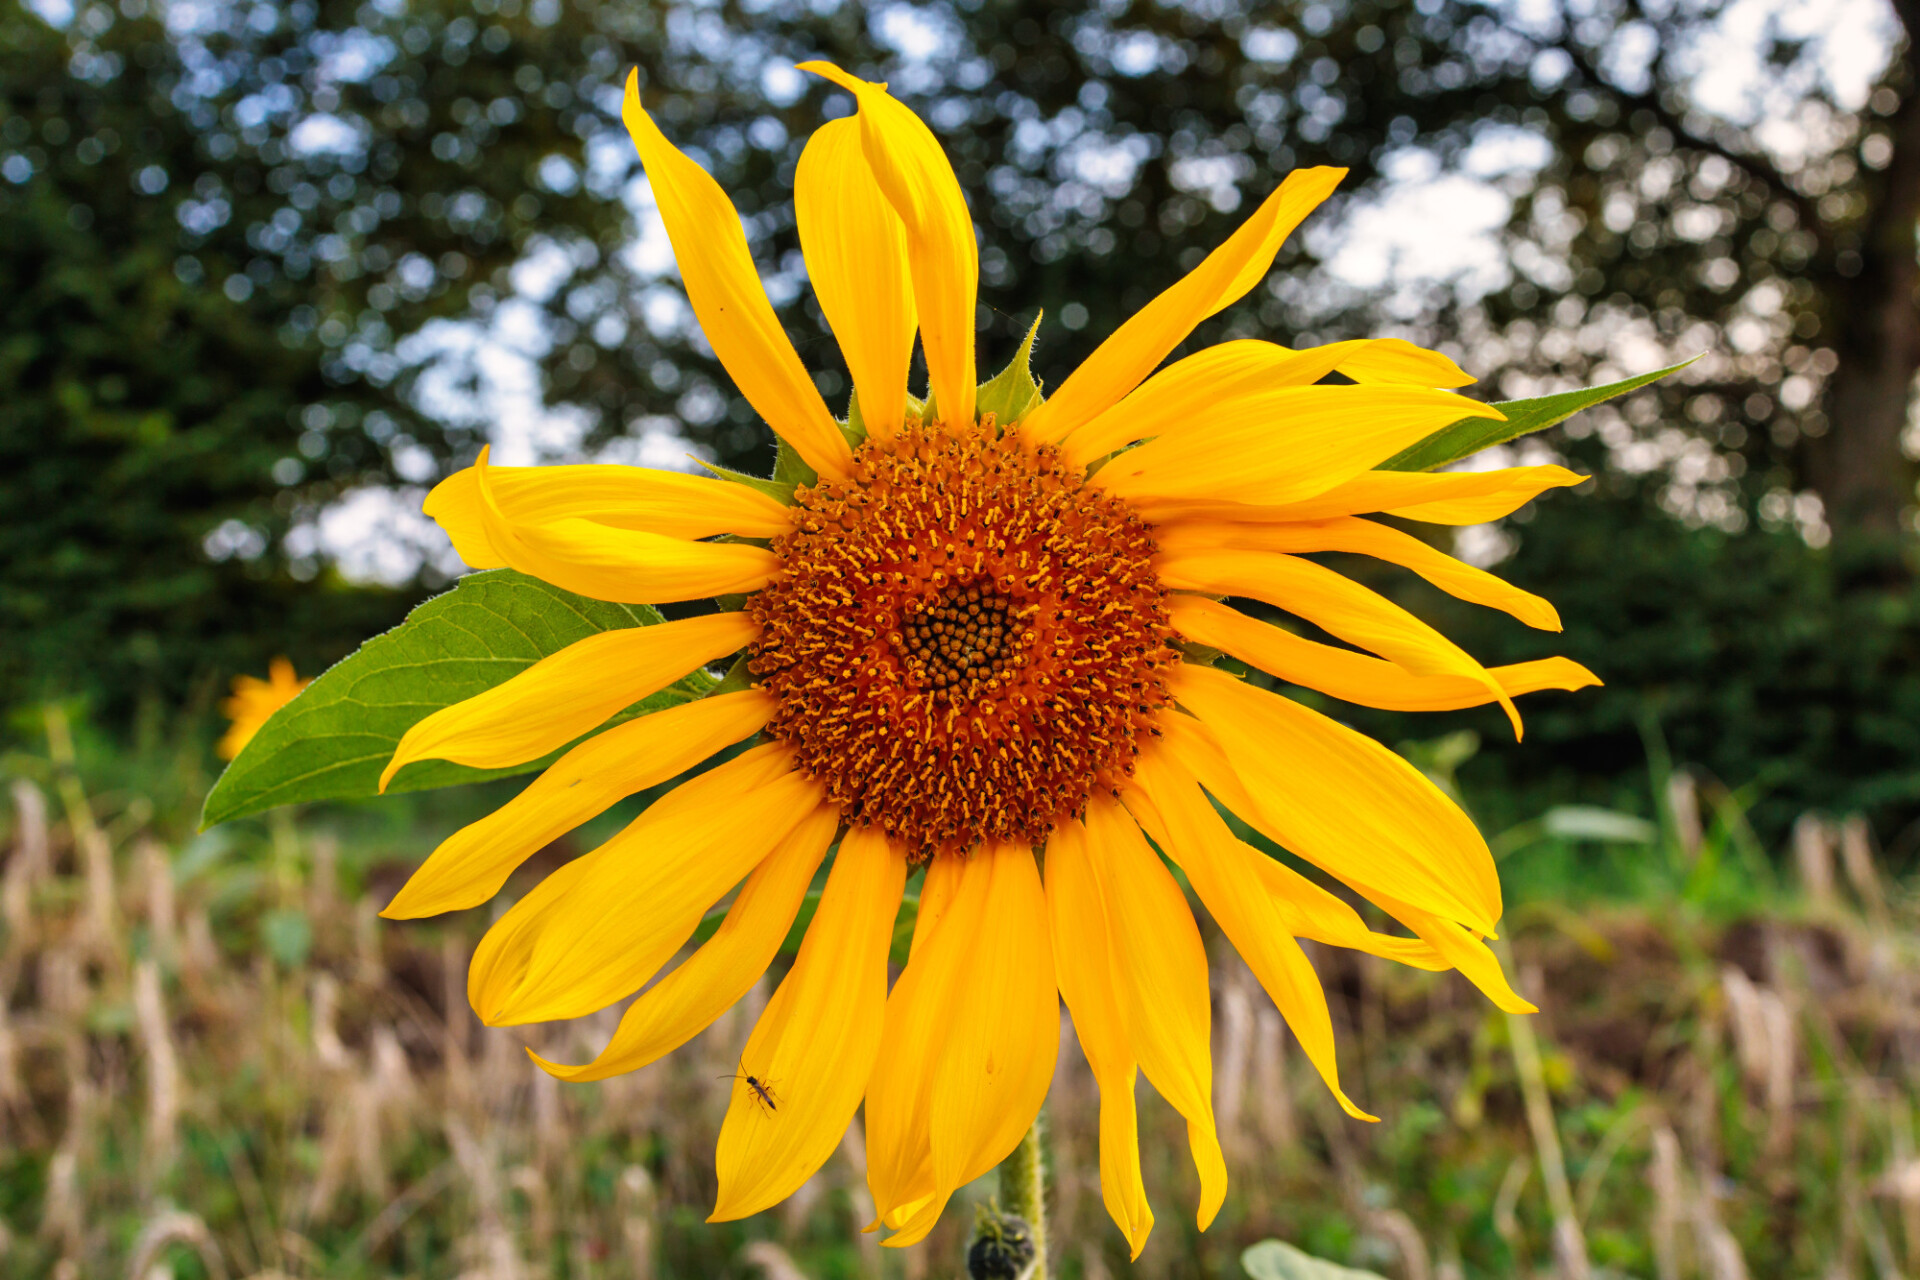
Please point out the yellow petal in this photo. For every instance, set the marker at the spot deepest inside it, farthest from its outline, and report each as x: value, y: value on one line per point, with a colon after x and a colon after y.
x: 1160, y: 975
x: 471, y: 864
x: 814, y: 1046
x: 663, y: 502
x: 1305, y: 910
x: 1270, y: 447
x: 1223, y: 872
x: 682, y: 1005
x: 644, y: 891
x: 724, y: 289
x: 1366, y: 538
x: 1336, y: 604
x: 1393, y: 362
x: 1182, y: 397
x: 629, y: 566
x: 626, y: 566
x: 856, y: 253
x: 1355, y: 677
x: 1137, y: 347
x: 913, y: 173
x: 1339, y: 799
x: 1461, y: 950
x: 567, y: 693
x: 500, y: 961
x: 971, y: 1033
x: 1447, y: 497
x: 900, y: 1166
x: 1478, y: 499
x: 936, y: 895
x: 1083, y: 962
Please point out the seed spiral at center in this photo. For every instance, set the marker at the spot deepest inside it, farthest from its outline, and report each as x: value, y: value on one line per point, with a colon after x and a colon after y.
x: 962, y: 643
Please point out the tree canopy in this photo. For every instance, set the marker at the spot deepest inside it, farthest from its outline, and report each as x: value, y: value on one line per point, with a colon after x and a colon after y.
x: 252, y: 255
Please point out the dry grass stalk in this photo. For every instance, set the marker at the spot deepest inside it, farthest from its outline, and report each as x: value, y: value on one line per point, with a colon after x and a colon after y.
x: 1813, y: 841
x: 30, y: 863
x: 163, y: 925
x: 199, y: 953
x: 171, y: 1227
x: 773, y: 1262
x: 1274, y: 1115
x: 1399, y: 1231
x: 1569, y: 1242
x: 1763, y: 1038
x: 1856, y: 858
x: 13, y: 1091
x: 163, y: 1071
x: 1664, y: 1181
x: 493, y: 1253
x: 853, y: 1146
x: 369, y: 965
x: 634, y: 1201
x: 1233, y: 1059
x: 1683, y: 803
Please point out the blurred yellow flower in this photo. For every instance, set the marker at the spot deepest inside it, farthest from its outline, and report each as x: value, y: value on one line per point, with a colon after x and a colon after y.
x: 967, y: 641
x: 253, y: 701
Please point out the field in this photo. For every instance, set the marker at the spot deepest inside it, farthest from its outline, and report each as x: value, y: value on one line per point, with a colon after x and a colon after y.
x: 215, y: 1060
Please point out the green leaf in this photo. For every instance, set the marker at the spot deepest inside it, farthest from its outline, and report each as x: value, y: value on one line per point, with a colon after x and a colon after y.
x: 790, y: 469
x: 1012, y: 393
x: 1278, y: 1260
x: 331, y: 741
x: 1524, y: 417
x: 780, y: 493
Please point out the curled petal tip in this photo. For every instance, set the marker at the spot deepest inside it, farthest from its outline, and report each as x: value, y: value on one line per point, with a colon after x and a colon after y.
x: 827, y: 71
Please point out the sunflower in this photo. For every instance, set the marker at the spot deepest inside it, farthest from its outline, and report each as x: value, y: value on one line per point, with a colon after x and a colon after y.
x: 253, y: 702
x: 975, y: 648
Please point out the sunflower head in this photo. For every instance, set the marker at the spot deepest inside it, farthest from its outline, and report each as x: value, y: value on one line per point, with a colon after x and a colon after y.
x: 965, y: 643
x: 253, y: 701
x: 966, y: 637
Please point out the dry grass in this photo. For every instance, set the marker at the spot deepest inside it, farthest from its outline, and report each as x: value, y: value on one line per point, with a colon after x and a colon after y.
x: 228, y: 1067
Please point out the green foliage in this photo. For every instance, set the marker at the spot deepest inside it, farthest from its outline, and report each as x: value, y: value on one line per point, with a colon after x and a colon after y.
x: 1278, y: 1260
x: 198, y: 315
x: 332, y: 740
x: 1012, y: 394
x: 1522, y: 417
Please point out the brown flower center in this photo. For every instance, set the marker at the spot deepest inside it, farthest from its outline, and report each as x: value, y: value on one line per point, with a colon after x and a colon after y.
x: 964, y: 642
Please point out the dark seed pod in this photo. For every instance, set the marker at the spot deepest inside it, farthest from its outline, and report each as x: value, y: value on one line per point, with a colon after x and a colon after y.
x: 1002, y: 1250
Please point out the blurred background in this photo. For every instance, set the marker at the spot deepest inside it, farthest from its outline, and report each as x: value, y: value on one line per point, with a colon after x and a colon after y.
x: 268, y: 270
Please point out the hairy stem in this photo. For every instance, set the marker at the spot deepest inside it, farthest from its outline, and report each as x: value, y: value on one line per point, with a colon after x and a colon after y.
x: 1023, y: 1188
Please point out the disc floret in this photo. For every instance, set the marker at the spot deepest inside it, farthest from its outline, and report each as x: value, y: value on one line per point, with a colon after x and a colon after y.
x: 964, y: 642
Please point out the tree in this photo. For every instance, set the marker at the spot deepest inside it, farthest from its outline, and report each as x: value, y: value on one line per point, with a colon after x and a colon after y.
x: 232, y: 255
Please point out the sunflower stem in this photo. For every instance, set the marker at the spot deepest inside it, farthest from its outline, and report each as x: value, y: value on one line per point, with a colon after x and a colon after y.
x: 1023, y: 1187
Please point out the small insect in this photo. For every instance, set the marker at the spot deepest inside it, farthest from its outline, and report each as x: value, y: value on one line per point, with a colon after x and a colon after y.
x: 762, y: 1090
